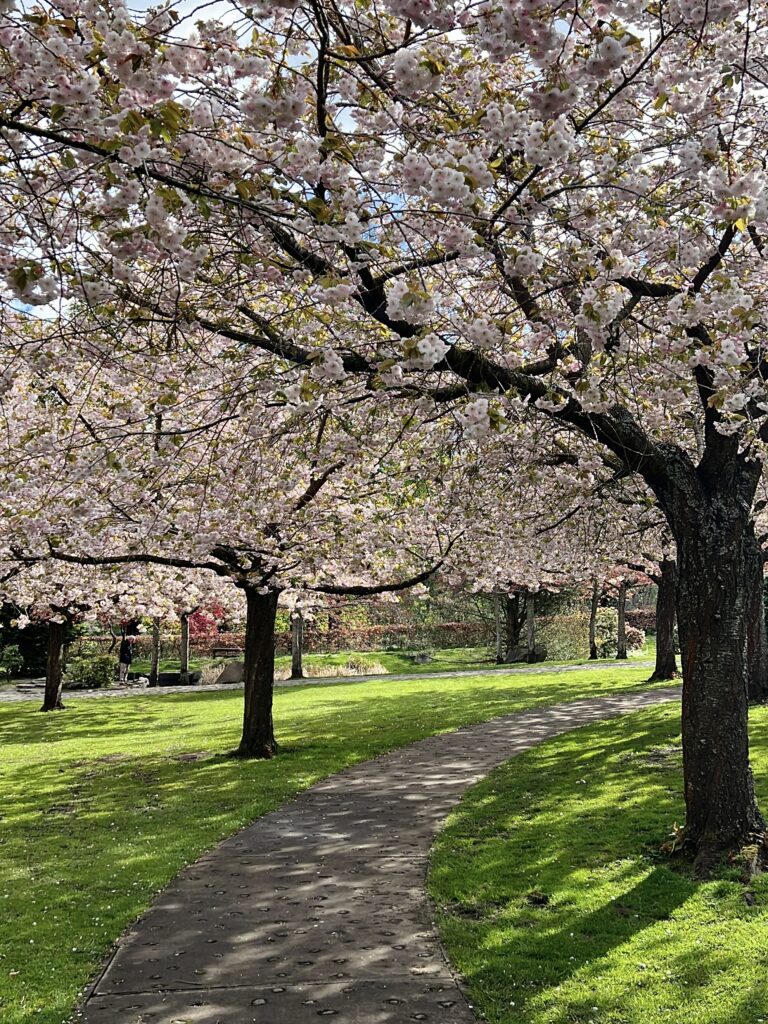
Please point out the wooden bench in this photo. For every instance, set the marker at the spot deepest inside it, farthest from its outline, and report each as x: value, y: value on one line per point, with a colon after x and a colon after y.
x: 226, y: 652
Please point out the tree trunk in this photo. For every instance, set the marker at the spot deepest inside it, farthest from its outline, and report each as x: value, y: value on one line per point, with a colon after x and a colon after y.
x: 54, y: 669
x: 530, y: 626
x: 593, y: 620
x: 757, y: 646
x: 621, y: 632
x: 514, y: 617
x: 666, y: 663
x: 184, y: 650
x: 258, y: 738
x: 297, y: 645
x: 715, y: 568
x: 154, y: 666
x: 499, y: 631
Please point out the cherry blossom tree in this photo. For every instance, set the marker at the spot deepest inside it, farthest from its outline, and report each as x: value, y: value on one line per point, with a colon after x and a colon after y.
x: 104, y: 468
x: 514, y: 208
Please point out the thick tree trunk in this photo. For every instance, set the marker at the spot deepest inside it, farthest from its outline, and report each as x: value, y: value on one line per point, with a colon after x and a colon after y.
x: 593, y: 620
x: 514, y: 617
x: 54, y: 669
x: 184, y: 650
x: 258, y: 738
x: 530, y: 626
x: 154, y: 667
x: 666, y: 663
x: 621, y: 631
x: 757, y: 646
x: 297, y: 645
x: 715, y: 569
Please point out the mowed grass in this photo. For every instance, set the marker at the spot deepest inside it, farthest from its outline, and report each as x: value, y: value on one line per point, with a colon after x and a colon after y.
x: 395, y: 662
x: 452, y: 659
x: 558, y: 907
x: 102, y: 804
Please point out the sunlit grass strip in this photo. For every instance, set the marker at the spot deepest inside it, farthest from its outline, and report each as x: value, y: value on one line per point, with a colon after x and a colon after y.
x: 558, y: 907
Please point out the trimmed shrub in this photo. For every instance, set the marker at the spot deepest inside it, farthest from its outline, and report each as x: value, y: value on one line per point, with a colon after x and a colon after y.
x: 642, y: 618
x: 566, y: 637
x: 90, y: 673
x: 11, y: 660
x: 635, y: 638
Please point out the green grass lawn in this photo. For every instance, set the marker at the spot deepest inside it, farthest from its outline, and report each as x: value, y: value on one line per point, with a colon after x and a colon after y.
x: 558, y: 907
x: 395, y: 662
x: 102, y: 804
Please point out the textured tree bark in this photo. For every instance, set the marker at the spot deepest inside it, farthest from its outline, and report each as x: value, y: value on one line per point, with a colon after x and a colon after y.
x: 297, y: 645
x: 666, y: 663
x: 593, y: 620
x: 514, y: 618
x: 621, y: 631
x: 54, y: 669
x: 530, y: 626
x: 757, y: 645
x: 715, y: 568
x: 184, y: 650
x: 258, y: 739
x: 154, y: 666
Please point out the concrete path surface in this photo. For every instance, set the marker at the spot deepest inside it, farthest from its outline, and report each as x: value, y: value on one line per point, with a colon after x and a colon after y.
x: 14, y: 695
x: 319, y: 909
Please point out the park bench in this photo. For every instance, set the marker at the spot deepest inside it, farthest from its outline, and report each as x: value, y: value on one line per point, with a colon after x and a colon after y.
x: 226, y: 652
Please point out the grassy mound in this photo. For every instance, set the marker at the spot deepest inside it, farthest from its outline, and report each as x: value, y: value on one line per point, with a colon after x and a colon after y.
x: 558, y: 907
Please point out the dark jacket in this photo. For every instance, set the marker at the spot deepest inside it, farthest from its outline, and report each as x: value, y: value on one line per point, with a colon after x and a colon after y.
x: 126, y: 652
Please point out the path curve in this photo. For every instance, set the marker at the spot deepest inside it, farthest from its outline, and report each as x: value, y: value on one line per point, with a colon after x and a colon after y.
x: 319, y: 909
x: 13, y: 695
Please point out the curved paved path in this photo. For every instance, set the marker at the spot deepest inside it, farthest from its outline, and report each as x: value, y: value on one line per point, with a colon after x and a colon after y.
x: 13, y: 695
x: 319, y: 909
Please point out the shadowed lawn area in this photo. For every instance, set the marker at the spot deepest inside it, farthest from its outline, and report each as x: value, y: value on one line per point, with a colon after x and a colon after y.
x: 558, y: 907
x: 102, y: 804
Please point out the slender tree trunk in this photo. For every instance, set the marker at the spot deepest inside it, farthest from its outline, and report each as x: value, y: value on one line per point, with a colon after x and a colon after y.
x: 258, y: 738
x: 54, y: 669
x: 593, y: 620
x: 155, y: 662
x: 621, y: 636
x: 184, y: 650
x: 715, y: 569
x: 757, y: 646
x: 499, y: 631
x: 666, y: 663
x: 530, y: 626
x: 297, y: 645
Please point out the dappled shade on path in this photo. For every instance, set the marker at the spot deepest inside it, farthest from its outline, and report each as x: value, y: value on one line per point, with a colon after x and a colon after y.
x: 319, y: 908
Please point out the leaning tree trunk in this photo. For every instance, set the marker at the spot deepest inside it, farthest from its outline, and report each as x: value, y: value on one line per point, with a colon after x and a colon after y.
x: 154, y: 667
x: 184, y: 650
x: 621, y: 634
x: 54, y: 669
x: 715, y: 569
x: 757, y: 646
x: 593, y: 620
x: 530, y: 627
x: 666, y: 663
x: 297, y: 645
x: 258, y: 738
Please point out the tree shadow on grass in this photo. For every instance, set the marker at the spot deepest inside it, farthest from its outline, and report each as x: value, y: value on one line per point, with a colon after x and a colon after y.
x: 554, y: 902
x: 106, y: 806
